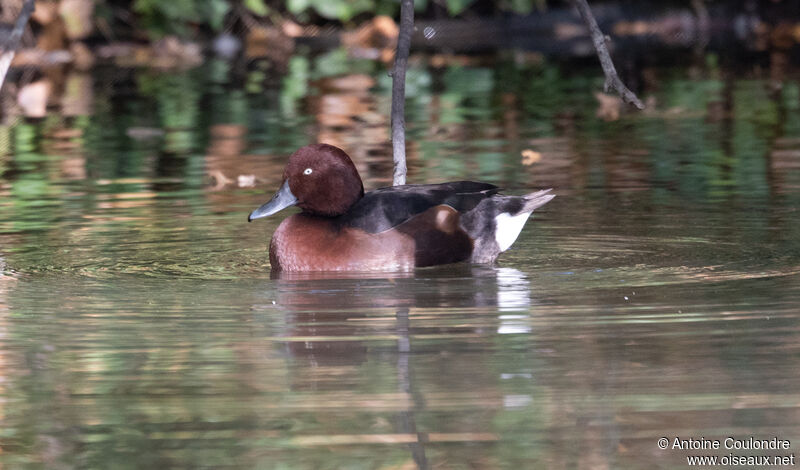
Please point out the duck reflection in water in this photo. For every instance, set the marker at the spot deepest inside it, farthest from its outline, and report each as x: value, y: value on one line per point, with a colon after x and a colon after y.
x: 337, y: 324
x: 331, y: 316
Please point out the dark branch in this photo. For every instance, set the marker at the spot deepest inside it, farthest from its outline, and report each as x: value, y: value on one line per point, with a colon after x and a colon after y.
x: 11, y: 42
x: 599, y: 40
x: 399, y: 91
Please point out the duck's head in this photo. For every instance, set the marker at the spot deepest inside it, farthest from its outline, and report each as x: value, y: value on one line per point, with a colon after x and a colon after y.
x: 320, y: 179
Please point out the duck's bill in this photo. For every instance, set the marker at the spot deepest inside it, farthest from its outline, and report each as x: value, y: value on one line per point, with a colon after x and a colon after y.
x: 281, y: 200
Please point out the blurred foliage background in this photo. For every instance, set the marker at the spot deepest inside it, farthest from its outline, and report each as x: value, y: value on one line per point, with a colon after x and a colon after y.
x: 179, y: 16
x: 189, y: 19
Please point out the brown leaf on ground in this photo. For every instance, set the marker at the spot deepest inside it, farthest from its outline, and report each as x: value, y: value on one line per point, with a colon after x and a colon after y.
x: 379, y: 33
x: 269, y: 42
x: 376, y: 39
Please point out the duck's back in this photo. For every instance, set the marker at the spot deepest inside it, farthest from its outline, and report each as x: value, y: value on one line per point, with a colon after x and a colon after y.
x: 385, y: 208
x: 449, y: 222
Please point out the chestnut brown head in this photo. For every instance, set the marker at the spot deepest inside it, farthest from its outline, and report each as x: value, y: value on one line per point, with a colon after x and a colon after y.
x: 320, y: 179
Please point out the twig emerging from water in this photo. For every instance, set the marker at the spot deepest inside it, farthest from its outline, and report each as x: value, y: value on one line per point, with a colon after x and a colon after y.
x: 399, y: 91
x: 8, y: 47
x: 599, y: 40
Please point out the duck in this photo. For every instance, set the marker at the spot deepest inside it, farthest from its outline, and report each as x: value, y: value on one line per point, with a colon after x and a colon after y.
x: 397, y: 228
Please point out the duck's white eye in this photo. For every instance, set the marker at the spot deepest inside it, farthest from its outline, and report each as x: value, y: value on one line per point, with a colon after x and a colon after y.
x: 307, y: 171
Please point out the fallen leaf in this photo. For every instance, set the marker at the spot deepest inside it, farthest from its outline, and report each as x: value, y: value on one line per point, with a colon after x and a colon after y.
x: 246, y: 181
x: 529, y: 157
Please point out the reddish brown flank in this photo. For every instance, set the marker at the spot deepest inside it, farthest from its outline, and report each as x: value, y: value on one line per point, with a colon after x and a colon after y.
x: 307, y: 243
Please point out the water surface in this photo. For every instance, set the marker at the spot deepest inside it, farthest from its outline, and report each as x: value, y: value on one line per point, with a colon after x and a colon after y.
x: 655, y: 296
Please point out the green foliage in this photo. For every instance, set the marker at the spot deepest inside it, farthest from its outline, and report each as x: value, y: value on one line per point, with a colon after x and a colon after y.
x: 161, y: 18
x: 345, y: 10
x: 455, y: 7
x: 392, y: 7
x: 523, y: 7
x: 520, y: 6
x: 338, y: 62
x: 342, y: 10
x: 5, y: 145
x: 257, y: 6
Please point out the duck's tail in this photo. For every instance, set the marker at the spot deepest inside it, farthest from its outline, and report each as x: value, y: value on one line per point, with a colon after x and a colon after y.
x: 497, y: 222
x: 536, y: 200
x: 509, y: 224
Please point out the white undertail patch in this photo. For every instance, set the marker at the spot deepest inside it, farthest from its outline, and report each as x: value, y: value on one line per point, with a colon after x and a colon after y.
x: 508, y: 227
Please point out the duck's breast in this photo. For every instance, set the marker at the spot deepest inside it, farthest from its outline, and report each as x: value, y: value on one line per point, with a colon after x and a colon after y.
x: 307, y: 243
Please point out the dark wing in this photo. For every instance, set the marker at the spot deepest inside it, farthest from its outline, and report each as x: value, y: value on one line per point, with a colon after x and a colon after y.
x: 384, y: 208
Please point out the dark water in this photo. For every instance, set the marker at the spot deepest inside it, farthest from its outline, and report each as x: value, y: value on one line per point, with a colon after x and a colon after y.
x: 656, y: 296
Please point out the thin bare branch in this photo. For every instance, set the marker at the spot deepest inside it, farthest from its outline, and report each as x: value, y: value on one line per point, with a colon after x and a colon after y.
x: 399, y: 91
x: 9, y: 45
x: 599, y: 39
